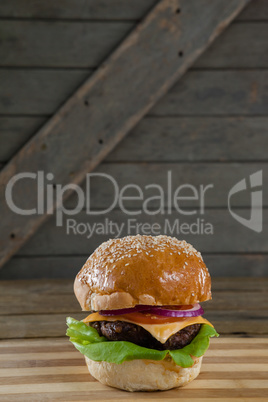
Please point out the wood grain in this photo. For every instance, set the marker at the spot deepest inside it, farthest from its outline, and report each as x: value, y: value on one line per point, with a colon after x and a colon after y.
x: 45, y: 90
x: 31, y: 326
x: 46, y: 44
x: 206, y: 93
x: 61, y: 344
x: 59, y: 44
x: 165, y: 139
x: 226, y: 237
x: 233, y: 265
x: 15, y: 132
x: 192, y: 139
x: 103, y: 9
x: 193, y: 395
x: 77, y: 9
x: 161, y: 33
x: 56, y: 297
x: 220, y: 379
x: 242, y: 45
x: 102, y: 191
x: 257, y: 10
x: 38, y: 308
x: 238, y: 284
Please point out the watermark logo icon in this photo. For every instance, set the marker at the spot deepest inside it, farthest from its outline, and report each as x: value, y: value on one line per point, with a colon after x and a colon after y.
x: 255, y: 220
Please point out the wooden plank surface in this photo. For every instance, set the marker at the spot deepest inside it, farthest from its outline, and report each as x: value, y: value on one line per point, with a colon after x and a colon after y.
x: 45, y: 90
x: 57, y: 266
x: 235, y: 323
x: 57, y: 296
x: 194, y: 139
x: 103, y: 9
x: 229, y: 236
x: 15, y: 132
x: 59, y: 44
x: 38, y: 308
x: 171, y: 139
x: 257, y: 10
x: 54, y: 370
x: 203, y: 177
x: 205, y: 93
x: 231, y: 50
x: 50, y: 368
x: 45, y: 44
x: 160, y: 32
x: 102, y: 191
x: 77, y: 9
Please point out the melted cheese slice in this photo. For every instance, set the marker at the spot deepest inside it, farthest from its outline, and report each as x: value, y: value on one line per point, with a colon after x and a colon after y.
x: 161, y: 332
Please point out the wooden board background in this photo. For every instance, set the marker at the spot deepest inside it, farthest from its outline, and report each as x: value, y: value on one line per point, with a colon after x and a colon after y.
x: 38, y: 363
x: 212, y: 124
x: 51, y: 369
x: 38, y: 308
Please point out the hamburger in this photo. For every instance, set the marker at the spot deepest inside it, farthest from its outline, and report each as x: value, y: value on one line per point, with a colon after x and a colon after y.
x: 145, y: 329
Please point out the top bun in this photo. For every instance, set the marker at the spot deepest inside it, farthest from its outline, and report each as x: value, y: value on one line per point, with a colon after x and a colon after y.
x: 159, y: 270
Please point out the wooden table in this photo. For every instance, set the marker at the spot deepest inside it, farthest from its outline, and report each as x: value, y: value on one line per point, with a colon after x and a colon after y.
x: 37, y: 363
x: 51, y: 369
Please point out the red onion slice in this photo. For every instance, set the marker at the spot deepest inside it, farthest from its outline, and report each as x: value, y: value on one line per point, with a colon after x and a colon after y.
x: 195, y: 311
x: 173, y: 311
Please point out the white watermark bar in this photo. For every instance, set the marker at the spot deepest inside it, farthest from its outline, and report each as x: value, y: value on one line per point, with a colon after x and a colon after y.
x: 152, y: 200
x: 132, y: 226
x: 166, y: 199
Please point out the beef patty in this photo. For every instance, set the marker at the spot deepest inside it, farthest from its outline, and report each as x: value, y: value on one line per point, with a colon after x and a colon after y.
x: 125, y: 331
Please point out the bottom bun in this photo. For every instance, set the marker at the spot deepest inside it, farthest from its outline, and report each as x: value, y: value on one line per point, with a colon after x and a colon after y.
x: 144, y: 375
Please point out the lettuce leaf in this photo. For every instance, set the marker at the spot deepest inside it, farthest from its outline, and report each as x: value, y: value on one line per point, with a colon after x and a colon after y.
x: 87, y: 340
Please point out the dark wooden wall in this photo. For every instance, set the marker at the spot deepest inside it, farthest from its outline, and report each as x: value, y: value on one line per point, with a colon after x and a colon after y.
x: 210, y: 128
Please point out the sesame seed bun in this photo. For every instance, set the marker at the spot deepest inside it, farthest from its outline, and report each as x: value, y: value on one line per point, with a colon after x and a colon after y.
x: 158, y: 270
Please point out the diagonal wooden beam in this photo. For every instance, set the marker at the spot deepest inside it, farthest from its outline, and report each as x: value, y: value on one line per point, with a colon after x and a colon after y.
x: 111, y: 102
